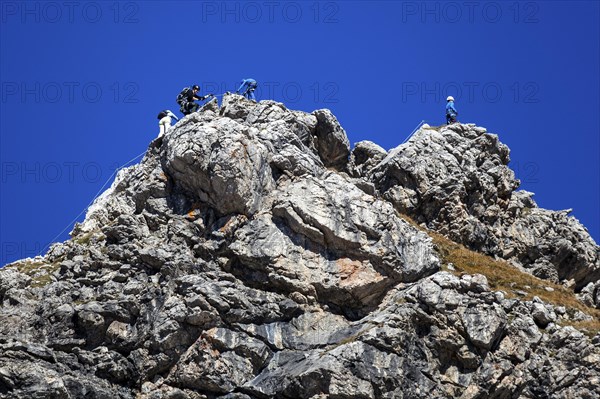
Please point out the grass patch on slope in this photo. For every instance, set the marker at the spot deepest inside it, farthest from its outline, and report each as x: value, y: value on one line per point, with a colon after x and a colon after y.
x: 40, y: 272
x: 502, y: 276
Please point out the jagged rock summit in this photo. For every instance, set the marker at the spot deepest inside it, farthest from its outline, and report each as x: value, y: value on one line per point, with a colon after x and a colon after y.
x: 252, y: 254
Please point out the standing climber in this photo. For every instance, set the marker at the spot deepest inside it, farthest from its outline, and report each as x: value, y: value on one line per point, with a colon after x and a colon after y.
x: 451, y: 112
x: 164, y: 121
x: 247, y: 88
x: 186, y: 99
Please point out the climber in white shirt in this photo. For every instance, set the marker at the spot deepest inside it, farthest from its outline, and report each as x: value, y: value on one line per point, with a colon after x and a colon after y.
x: 164, y: 121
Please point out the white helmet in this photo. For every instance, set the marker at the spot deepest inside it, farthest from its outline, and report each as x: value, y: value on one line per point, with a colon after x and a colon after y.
x: 450, y: 98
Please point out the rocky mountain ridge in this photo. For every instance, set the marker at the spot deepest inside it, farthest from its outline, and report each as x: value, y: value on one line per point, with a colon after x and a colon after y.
x: 253, y: 254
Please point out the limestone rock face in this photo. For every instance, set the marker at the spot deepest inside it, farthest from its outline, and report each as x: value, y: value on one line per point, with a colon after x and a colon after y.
x: 456, y: 181
x: 251, y: 254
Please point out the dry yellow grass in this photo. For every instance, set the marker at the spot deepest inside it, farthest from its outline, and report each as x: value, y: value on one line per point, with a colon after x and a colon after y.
x: 502, y: 276
x: 39, y: 271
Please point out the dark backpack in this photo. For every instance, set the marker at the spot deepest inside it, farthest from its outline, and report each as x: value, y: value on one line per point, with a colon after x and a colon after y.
x: 162, y: 114
x: 181, y: 97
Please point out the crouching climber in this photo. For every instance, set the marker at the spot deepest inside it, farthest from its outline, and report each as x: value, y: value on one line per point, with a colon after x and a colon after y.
x: 164, y: 121
x: 451, y: 112
x: 186, y: 99
x: 247, y: 88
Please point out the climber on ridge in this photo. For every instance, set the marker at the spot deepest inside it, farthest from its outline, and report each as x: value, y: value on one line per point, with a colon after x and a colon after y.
x: 451, y: 112
x: 164, y: 121
x: 186, y: 99
x: 248, y: 86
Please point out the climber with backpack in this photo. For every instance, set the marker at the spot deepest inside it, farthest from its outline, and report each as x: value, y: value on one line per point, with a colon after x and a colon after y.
x: 451, y: 112
x: 164, y: 121
x: 247, y: 88
x: 186, y: 99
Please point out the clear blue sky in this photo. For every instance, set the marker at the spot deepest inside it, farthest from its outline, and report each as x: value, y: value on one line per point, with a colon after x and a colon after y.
x: 82, y: 83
